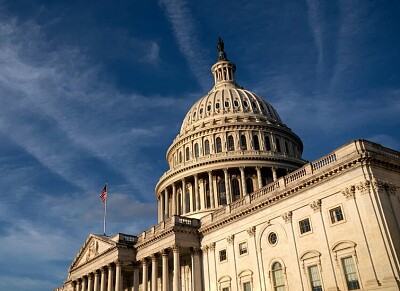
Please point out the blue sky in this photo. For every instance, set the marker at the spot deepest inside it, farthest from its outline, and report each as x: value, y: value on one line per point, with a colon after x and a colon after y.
x: 96, y: 90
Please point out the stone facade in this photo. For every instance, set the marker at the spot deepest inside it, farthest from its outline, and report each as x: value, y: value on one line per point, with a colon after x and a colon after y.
x: 239, y: 209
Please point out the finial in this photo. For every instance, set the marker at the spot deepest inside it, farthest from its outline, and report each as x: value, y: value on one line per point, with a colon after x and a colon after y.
x: 221, y: 53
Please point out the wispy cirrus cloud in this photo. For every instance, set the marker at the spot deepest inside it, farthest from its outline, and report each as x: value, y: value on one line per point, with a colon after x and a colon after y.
x: 186, y: 33
x: 316, y: 26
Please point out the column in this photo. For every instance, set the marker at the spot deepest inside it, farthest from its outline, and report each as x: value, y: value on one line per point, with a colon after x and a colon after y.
x: 274, y: 177
x: 79, y: 285
x: 196, y: 272
x: 191, y: 198
x: 210, y: 187
x: 184, y: 210
x: 174, y: 207
x: 144, y: 275
x: 84, y: 282
x: 135, y: 276
x: 118, y: 278
x: 243, y: 178
x: 166, y: 203
x: 161, y: 208
x: 202, y: 194
x: 227, y: 187
x: 165, y: 277
x: 176, y: 284
x: 96, y: 281
x: 110, y: 278
x: 103, y: 279
x: 259, y: 178
x: 90, y: 282
x: 196, y: 192
x: 154, y: 272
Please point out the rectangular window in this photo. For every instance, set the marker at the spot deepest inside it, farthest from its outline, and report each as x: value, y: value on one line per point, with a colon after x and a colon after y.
x: 246, y: 286
x: 350, y: 273
x: 304, y: 225
x: 225, y: 289
x: 314, y: 278
x: 243, y: 248
x: 336, y: 214
x: 222, y: 255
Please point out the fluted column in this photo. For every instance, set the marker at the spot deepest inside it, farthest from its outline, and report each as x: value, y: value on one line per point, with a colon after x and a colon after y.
x: 84, y: 282
x: 144, y: 275
x: 243, y: 178
x: 196, y: 272
x: 166, y: 203
x: 103, y: 279
x: 274, y: 177
x: 259, y: 178
x: 118, y: 276
x: 174, y: 205
x: 210, y: 187
x: 165, y: 278
x: 136, y: 276
x: 110, y: 278
x: 177, y: 267
x: 202, y: 194
x: 154, y: 272
x: 96, y: 281
x: 196, y: 192
x: 227, y: 187
x: 184, y: 210
x: 79, y: 285
x: 90, y: 282
x: 161, y: 207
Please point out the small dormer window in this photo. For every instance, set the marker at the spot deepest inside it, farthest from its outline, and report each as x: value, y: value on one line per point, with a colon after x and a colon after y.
x: 194, y: 114
x: 201, y: 110
x: 208, y: 107
x: 217, y: 105
x: 236, y: 103
x: 226, y: 103
x: 245, y: 104
x: 254, y: 105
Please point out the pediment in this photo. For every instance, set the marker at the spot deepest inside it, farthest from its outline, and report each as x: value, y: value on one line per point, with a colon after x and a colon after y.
x: 94, y: 246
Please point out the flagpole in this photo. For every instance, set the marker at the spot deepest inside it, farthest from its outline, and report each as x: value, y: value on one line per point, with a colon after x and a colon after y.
x: 105, y: 210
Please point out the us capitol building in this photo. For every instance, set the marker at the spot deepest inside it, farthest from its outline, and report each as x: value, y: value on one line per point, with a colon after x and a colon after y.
x: 239, y: 209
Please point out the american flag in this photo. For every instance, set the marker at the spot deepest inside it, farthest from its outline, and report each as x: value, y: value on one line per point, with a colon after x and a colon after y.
x: 103, y: 194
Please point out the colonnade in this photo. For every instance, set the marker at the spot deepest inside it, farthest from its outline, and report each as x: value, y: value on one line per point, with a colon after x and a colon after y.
x: 101, y: 279
x: 203, y: 191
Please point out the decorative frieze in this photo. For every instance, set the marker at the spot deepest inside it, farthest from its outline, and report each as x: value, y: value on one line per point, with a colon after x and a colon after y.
x: 287, y: 216
x: 316, y: 205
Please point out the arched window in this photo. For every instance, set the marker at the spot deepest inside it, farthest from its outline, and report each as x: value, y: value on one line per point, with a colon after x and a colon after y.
x: 196, y: 150
x: 278, y: 145
x: 267, y: 143
x: 231, y: 144
x: 235, y: 190
x: 206, y: 147
x: 222, y: 192
x: 249, y: 185
x: 187, y: 155
x: 243, y: 143
x: 218, y: 145
x: 277, y: 277
x: 256, y: 143
x: 286, y: 147
x: 180, y: 157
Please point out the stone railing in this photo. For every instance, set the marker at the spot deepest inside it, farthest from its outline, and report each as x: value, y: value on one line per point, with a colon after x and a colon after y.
x: 341, y: 155
x: 166, y: 224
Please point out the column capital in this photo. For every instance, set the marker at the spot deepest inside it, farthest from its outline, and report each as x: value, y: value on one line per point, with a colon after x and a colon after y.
x: 175, y: 248
x: 225, y: 170
x: 241, y: 168
x: 154, y: 257
x: 195, y: 251
x: 103, y: 269
x: 230, y: 239
x: 136, y: 264
x: 211, y: 246
x: 144, y: 261
x: 165, y: 252
x: 258, y: 168
x: 110, y: 266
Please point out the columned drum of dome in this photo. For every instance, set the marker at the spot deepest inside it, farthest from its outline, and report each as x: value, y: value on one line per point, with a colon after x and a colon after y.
x: 231, y: 143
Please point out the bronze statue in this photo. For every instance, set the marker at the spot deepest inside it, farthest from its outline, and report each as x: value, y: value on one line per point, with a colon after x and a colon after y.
x: 220, y: 47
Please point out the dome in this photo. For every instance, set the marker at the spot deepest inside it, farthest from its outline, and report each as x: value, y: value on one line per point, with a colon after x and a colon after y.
x: 231, y: 143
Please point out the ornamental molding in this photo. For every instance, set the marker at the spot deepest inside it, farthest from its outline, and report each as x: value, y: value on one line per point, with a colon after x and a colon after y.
x: 287, y: 216
x: 349, y: 192
x: 251, y: 231
x: 230, y: 239
x: 316, y: 205
x: 364, y: 187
